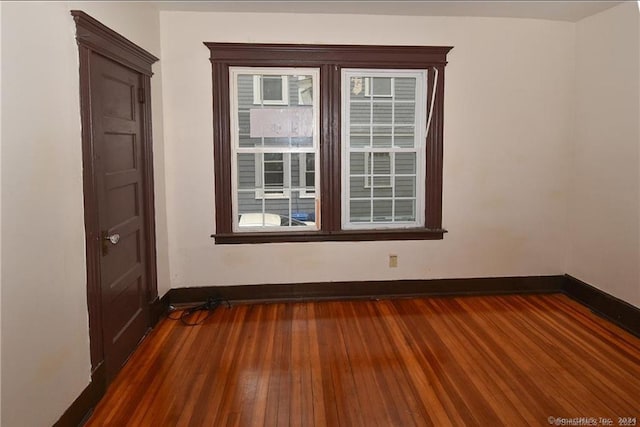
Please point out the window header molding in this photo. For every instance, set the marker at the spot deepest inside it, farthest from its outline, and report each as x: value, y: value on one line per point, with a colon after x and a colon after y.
x: 346, y: 55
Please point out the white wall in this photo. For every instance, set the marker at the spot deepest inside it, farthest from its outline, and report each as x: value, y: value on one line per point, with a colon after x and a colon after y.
x: 507, y: 126
x: 45, y: 341
x: 604, y: 202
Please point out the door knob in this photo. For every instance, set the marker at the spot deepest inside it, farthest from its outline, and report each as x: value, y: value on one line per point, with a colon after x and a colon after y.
x: 108, y: 238
x: 113, y: 238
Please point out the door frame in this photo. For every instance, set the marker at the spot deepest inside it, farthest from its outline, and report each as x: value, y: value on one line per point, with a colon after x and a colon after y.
x: 94, y: 37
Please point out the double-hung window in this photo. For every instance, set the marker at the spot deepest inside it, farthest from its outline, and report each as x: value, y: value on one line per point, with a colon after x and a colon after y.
x: 320, y: 142
x: 271, y: 143
x: 383, y: 135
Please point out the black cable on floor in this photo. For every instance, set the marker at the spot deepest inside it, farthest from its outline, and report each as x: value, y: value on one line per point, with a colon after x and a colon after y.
x: 209, y: 306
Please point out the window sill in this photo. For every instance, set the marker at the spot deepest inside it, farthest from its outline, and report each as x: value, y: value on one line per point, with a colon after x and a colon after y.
x: 322, y: 236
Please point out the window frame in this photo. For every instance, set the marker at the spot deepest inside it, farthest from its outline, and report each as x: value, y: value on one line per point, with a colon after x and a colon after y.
x: 330, y: 59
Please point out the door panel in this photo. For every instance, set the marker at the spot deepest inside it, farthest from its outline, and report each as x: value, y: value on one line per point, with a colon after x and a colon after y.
x: 116, y: 133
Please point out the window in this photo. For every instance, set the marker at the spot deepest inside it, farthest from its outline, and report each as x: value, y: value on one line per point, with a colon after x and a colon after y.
x: 374, y: 87
x: 308, y: 175
x: 319, y: 142
x: 272, y: 170
x: 270, y: 90
x: 383, y: 137
x: 269, y: 142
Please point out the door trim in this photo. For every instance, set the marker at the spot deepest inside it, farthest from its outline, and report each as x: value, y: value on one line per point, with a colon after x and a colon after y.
x: 94, y: 37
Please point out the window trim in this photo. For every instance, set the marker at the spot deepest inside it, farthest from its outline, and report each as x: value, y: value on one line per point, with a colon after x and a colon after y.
x: 330, y: 59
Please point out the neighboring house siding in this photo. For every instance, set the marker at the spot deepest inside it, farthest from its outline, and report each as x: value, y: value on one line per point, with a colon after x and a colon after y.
x: 250, y: 170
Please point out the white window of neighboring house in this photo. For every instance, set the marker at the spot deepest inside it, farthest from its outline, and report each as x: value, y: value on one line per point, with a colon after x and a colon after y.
x: 272, y: 175
x: 268, y: 142
x: 308, y: 175
x: 270, y: 90
x: 379, y: 162
x: 383, y: 148
x: 378, y: 87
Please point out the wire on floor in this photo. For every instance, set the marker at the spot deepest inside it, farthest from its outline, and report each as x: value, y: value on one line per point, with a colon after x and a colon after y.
x: 187, y: 314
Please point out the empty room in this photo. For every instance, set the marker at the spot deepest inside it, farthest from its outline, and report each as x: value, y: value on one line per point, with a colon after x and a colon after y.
x: 319, y: 213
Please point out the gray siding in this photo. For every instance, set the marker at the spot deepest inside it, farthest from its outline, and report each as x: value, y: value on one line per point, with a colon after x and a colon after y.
x: 396, y: 117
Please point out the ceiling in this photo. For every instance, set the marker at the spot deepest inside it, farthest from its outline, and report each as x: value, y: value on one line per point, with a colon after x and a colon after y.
x: 571, y: 11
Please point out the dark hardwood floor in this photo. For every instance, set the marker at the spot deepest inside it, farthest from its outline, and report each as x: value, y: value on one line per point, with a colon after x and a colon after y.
x: 493, y: 360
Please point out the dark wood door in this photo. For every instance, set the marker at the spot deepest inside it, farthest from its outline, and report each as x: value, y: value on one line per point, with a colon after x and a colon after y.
x: 117, y: 126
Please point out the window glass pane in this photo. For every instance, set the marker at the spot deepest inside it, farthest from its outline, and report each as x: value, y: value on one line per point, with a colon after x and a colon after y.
x: 245, y: 92
x: 381, y: 163
x: 405, y: 88
x: 378, y: 86
x: 303, y: 89
x: 247, y: 171
x: 302, y: 210
x: 357, y: 163
x: 382, y: 136
x: 405, y: 210
x: 310, y: 161
x: 405, y: 163
x: 246, y: 141
x: 382, y: 187
x: 382, y: 113
x: 273, y: 172
x: 357, y: 187
x: 309, y: 176
x: 381, y: 86
x: 361, y: 113
x: 272, y: 88
x: 405, y: 186
x: 360, y: 136
x: 360, y: 210
x: 310, y: 181
x: 297, y: 169
x: 381, y: 183
x: 243, y: 123
x: 356, y: 88
x: 405, y: 113
x: 280, y: 207
x: 382, y: 210
x: 248, y: 203
x: 275, y: 110
x: 404, y: 136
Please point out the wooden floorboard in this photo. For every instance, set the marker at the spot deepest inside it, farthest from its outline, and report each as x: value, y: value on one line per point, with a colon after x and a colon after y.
x: 491, y: 360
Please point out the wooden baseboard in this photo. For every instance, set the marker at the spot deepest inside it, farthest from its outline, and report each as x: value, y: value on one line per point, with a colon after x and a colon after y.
x: 611, y: 308
x: 368, y: 290
x: 81, y: 408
